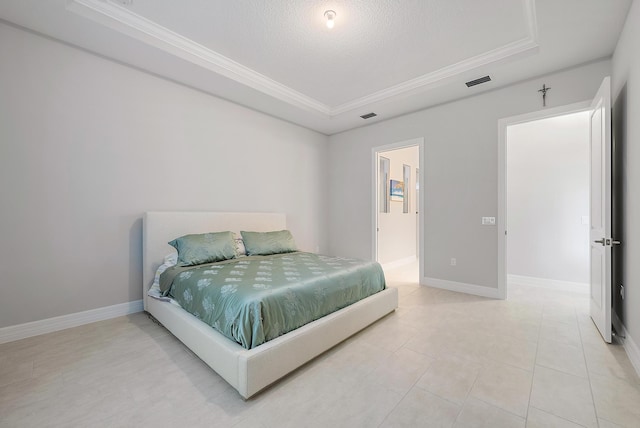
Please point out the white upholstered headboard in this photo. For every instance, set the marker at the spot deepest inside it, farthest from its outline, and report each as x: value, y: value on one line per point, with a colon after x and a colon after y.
x: 160, y: 227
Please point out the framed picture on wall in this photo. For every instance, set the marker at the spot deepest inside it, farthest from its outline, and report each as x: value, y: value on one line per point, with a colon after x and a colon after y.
x: 397, y: 190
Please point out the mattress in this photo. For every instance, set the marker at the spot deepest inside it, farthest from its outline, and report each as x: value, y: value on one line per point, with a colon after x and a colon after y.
x: 254, y: 299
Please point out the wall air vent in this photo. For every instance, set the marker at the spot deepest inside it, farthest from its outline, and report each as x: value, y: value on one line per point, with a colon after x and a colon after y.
x: 368, y: 115
x: 478, y: 81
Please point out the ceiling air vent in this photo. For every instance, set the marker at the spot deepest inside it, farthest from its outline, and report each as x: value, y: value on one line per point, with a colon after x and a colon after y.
x: 478, y: 81
x: 368, y: 115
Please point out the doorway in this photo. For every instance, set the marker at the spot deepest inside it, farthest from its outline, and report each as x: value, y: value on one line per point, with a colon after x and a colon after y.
x: 603, y: 189
x: 397, y: 238
x: 544, y: 198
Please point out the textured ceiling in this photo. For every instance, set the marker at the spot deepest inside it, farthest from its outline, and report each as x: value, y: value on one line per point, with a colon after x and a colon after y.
x: 387, y: 56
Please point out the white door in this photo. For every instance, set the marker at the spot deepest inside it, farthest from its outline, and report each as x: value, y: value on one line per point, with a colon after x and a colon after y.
x: 600, y: 224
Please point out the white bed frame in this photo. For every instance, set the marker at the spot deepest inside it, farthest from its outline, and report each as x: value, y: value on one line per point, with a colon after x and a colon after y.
x: 248, y: 371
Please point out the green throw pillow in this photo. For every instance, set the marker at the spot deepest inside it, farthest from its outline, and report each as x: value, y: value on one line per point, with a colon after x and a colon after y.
x: 204, y: 248
x: 265, y: 243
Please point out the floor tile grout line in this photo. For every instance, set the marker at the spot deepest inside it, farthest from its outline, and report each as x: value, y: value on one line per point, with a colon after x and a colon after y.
x: 466, y: 398
x: 559, y: 417
x: 584, y: 356
x: 500, y: 408
x: 414, y: 385
x: 572, y: 375
x: 408, y: 390
x: 535, y: 363
x: 562, y: 343
x: 405, y: 394
x: 562, y: 371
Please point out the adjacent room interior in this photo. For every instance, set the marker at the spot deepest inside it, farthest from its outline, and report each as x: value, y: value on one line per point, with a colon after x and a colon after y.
x: 397, y: 226
x: 548, y: 202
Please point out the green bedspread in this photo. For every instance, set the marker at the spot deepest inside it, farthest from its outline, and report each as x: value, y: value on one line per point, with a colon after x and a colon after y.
x: 252, y: 300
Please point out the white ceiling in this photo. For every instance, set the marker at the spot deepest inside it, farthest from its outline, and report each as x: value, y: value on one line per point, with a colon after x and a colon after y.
x: 386, y: 56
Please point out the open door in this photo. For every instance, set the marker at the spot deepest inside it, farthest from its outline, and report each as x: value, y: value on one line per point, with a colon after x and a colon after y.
x: 600, y: 218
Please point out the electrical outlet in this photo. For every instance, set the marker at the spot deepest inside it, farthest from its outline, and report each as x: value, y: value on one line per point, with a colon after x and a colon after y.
x: 453, y: 261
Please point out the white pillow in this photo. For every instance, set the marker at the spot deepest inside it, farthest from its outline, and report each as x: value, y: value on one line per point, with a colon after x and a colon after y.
x: 154, y: 291
x: 241, y: 251
x: 169, y: 260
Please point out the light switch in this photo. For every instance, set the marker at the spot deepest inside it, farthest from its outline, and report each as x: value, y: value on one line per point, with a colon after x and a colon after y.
x: 488, y: 221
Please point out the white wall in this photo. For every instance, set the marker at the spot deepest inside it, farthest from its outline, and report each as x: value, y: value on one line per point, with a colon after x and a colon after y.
x: 460, y: 173
x: 626, y: 91
x: 547, y: 198
x: 397, y: 234
x: 87, y: 145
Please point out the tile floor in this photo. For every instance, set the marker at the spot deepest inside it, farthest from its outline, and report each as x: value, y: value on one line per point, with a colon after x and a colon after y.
x: 442, y: 359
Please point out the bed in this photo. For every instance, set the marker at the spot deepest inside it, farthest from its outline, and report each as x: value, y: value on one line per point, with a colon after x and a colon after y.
x: 247, y: 370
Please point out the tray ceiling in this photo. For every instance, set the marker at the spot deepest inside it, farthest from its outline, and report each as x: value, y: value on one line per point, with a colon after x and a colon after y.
x: 279, y: 57
x: 374, y: 45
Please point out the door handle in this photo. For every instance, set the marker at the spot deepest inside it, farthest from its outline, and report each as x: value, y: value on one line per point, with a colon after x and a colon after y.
x: 607, y: 241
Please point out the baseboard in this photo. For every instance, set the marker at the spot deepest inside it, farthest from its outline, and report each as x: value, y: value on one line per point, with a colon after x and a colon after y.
x: 556, y: 284
x: 630, y: 346
x: 399, y: 263
x: 49, y: 325
x: 632, y: 351
x: 461, y: 287
x: 617, y: 323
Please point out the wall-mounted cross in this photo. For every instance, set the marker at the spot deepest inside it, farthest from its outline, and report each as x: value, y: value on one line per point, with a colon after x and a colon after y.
x: 544, y: 94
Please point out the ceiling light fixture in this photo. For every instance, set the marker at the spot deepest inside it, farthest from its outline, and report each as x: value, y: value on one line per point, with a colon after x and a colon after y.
x: 330, y: 14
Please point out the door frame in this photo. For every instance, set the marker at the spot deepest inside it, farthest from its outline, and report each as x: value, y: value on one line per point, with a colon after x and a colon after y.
x: 502, y: 177
x: 375, y: 151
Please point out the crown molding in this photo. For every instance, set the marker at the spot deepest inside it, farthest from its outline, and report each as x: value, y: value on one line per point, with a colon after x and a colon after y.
x: 121, y: 19
x: 519, y: 47
x: 430, y: 79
